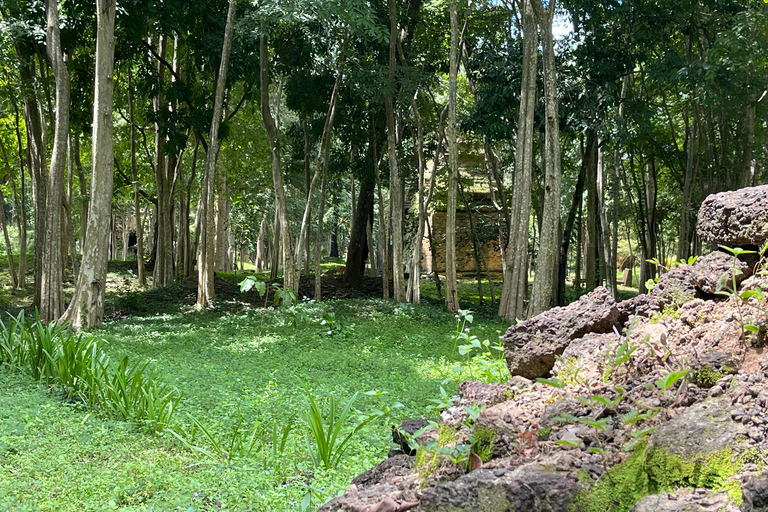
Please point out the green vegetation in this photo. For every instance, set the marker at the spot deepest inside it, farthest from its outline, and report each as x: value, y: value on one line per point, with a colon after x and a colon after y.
x: 244, y: 375
x: 651, y: 471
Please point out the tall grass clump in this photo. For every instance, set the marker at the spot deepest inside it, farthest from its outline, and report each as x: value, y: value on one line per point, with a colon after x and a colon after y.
x: 76, y: 369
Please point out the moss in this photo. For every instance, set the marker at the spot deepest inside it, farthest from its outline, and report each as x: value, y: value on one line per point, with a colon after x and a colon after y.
x: 544, y: 433
x: 752, y: 456
x: 706, y: 377
x: 428, y: 461
x: 654, y: 470
x: 482, y: 442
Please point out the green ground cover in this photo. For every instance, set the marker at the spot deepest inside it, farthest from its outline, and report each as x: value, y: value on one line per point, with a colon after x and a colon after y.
x: 251, y: 367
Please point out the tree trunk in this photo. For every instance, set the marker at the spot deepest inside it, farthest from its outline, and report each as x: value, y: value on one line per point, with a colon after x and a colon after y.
x: 565, y: 243
x: 87, y: 307
x: 609, y: 268
x: 51, y: 288
x: 308, y: 197
x: 164, y: 168
x: 205, y: 261
x: 8, y: 248
x: 358, y: 249
x: 544, y: 282
x: 36, y: 149
x: 142, y: 274
x: 223, y: 262
x: 4, y: 221
x: 591, y: 260
x: 395, y: 179
x: 320, y: 220
x: 451, y: 283
x: 322, y: 158
x: 684, y: 234
x: 290, y: 280
x: 512, y: 302
x: 20, y: 200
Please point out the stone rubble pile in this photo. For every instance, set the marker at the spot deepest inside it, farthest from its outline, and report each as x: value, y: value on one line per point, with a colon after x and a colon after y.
x: 706, y: 446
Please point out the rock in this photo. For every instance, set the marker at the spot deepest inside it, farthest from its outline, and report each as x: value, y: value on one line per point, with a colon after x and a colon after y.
x: 410, y: 427
x: 641, y: 305
x: 755, y: 493
x: 473, y: 392
x: 736, y: 218
x: 392, y: 479
x: 683, y: 500
x: 700, y: 430
x: 529, y: 488
x: 675, y: 287
x: 583, y: 360
x: 530, y: 347
x: 713, y: 366
x: 715, y: 271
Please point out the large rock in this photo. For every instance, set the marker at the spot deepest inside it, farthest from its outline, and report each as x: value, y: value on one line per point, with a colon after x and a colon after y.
x: 393, y: 478
x: 527, y: 488
x: 531, y: 347
x: 473, y: 392
x: 703, y: 429
x: 715, y: 272
x: 684, y: 500
x: 735, y: 218
x: 755, y: 493
x: 675, y: 287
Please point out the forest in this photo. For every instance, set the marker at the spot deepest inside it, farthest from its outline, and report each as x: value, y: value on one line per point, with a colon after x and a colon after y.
x: 243, y: 239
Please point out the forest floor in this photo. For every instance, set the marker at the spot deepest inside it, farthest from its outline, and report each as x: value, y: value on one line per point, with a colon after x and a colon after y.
x: 240, y: 369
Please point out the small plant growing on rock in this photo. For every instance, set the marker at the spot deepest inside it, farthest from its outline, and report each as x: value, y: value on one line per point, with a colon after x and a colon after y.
x: 741, y: 299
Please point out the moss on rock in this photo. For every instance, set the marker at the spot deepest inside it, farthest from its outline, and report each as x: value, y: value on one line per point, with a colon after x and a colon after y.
x: 654, y: 470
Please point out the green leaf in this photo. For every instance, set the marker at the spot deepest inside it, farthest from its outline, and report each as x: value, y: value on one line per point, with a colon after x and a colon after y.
x: 554, y: 382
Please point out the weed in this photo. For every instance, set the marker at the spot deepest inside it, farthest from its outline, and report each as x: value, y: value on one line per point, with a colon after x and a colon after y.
x: 326, y: 429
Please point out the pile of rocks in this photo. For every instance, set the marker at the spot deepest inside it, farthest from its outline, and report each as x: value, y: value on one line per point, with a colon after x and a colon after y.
x: 701, y: 444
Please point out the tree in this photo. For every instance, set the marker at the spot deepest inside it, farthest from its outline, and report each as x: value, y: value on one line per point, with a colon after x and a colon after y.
x: 544, y: 283
x: 206, y: 257
x: 87, y: 307
x: 512, y: 302
x: 451, y: 285
x: 51, y: 287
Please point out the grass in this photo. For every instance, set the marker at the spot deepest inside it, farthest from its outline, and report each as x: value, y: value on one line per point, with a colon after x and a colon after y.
x: 248, y: 366
x: 243, y: 441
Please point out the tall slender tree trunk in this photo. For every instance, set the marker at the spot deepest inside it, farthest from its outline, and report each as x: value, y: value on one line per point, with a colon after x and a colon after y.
x: 451, y: 282
x: 223, y: 231
x: 617, y: 180
x: 20, y: 199
x: 87, y: 307
x: 608, y: 265
x: 591, y: 251
x: 206, y: 256
x: 544, y: 283
x: 4, y: 221
x: 36, y: 153
x: 290, y: 280
x: 395, y: 179
x: 512, y: 302
x: 319, y: 234
x: 51, y: 277
x: 142, y: 274
x: 684, y: 234
x: 565, y: 243
x: 164, y: 168
x: 322, y: 157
